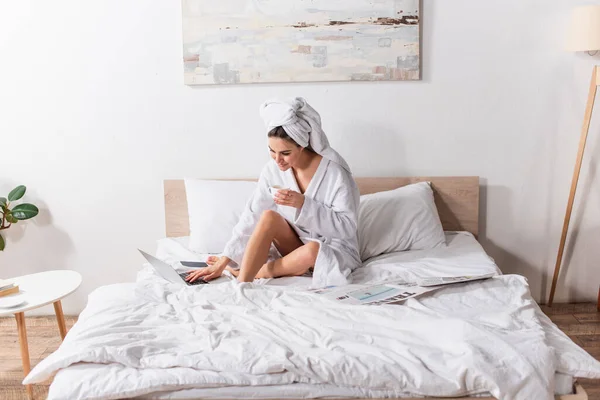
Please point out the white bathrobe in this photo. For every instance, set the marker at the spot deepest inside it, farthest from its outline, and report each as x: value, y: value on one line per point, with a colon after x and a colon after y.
x: 328, y: 216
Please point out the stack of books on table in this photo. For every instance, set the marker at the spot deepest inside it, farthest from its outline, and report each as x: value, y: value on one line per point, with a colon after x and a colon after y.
x: 7, y: 288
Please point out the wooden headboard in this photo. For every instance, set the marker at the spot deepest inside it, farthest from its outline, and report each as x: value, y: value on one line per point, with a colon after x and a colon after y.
x: 456, y: 198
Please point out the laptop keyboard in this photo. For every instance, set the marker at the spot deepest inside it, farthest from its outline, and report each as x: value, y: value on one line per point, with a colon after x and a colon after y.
x: 196, y: 282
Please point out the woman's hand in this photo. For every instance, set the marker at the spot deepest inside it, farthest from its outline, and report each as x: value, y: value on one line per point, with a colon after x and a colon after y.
x: 216, y: 266
x: 290, y: 198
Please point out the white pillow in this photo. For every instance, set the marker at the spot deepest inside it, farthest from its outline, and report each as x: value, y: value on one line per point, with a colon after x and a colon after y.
x: 214, y: 209
x: 172, y: 249
x: 396, y: 220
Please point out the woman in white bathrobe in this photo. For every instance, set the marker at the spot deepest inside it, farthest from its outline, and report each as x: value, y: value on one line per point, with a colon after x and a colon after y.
x: 312, y: 222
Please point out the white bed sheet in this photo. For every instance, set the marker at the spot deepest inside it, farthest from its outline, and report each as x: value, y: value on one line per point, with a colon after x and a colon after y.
x: 564, y: 385
x: 463, y: 255
x: 85, y: 374
x: 460, y: 245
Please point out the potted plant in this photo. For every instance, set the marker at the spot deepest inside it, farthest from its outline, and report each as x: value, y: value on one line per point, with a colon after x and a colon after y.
x: 19, y: 212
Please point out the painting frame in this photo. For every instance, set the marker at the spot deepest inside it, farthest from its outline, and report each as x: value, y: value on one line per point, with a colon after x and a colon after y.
x: 282, y: 41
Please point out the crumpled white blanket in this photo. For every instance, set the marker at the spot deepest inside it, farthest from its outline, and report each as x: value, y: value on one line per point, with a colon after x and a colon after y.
x: 465, y: 339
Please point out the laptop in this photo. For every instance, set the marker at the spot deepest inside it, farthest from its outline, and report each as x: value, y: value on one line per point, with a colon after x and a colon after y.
x: 170, y: 274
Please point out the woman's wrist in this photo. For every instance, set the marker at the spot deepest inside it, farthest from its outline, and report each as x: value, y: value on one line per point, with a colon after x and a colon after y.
x: 225, y: 261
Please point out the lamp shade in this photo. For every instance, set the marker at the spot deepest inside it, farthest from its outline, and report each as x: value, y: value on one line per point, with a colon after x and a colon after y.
x: 584, y: 32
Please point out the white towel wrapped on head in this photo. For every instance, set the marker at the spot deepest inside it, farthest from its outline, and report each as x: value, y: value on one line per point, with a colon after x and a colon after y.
x: 302, y: 123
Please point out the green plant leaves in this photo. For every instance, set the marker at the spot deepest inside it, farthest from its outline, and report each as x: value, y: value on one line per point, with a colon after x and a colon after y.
x: 24, y: 211
x: 17, y: 193
x: 18, y: 213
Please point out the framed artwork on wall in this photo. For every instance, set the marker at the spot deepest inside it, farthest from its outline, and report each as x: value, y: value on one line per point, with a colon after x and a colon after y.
x: 254, y: 41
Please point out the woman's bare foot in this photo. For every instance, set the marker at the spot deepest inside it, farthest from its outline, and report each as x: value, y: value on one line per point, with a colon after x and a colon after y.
x: 263, y: 273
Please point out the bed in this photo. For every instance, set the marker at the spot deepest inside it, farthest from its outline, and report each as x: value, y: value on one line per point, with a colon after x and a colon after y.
x: 273, y: 339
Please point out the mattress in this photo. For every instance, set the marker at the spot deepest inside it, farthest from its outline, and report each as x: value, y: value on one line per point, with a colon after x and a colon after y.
x: 462, y: 255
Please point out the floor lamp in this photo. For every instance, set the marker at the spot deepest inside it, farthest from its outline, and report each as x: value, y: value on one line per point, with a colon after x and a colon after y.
x: 584, y: 35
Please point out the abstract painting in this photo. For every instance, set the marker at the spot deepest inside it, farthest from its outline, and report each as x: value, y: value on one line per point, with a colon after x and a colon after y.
x: 254, y: 41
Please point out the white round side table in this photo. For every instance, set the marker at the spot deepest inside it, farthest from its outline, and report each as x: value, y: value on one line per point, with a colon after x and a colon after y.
x: 38, y: 290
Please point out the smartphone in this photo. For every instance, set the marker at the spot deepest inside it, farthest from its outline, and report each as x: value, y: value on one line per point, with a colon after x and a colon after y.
x: 194, y: 264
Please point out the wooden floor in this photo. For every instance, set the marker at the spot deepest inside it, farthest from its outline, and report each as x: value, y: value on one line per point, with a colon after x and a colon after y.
x: 43, y: 337
x: 580, y: 321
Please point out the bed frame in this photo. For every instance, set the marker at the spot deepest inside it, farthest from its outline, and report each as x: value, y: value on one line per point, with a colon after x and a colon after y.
x: 456, y: 198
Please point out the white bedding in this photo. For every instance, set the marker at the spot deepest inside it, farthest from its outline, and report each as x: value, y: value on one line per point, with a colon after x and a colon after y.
x: 216, y: 340
x: 462, y: 255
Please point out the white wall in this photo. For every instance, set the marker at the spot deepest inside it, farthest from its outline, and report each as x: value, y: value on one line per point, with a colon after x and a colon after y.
x: 94, y: 115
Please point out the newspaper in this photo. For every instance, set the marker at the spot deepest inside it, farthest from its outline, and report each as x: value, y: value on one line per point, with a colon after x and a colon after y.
x: 389, y: 292
x: 452, y: 279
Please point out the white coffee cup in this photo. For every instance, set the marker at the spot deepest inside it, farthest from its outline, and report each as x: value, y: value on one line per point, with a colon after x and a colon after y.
x: 274, y: 189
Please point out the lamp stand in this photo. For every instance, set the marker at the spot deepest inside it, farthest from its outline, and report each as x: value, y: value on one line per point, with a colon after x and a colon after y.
x: 584, y: 133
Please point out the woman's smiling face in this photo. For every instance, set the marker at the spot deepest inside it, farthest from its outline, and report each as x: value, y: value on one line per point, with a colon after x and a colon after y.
x: 284, y: 152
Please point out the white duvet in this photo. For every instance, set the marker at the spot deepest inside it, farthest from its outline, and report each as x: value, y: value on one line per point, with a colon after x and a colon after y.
x: 465, y: 339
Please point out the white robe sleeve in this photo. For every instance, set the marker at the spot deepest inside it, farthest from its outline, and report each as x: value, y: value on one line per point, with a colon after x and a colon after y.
x: 336, y: 221
x: 260, y: 201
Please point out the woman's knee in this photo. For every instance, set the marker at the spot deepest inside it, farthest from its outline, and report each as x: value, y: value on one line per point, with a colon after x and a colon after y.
x: 270, y: 216
x: 269, y: 220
